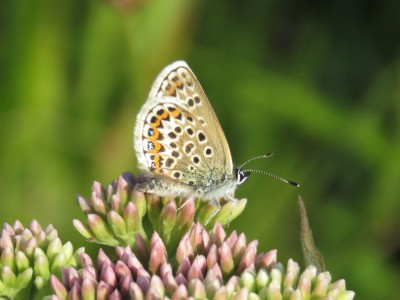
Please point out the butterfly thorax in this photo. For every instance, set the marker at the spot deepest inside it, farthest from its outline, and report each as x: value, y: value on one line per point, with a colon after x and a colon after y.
x: 218, y: 186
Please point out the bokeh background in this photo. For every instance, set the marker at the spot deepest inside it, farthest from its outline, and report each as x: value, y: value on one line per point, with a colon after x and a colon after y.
x: 315, y: 82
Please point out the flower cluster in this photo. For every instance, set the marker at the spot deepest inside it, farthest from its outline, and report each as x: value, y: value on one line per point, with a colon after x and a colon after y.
x: 205, y: 267
x: 116, y: 213
x: 160, y: 254
x: 28, y: 257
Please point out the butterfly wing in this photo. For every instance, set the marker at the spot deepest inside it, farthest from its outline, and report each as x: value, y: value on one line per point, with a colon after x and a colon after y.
x: 177, y: 133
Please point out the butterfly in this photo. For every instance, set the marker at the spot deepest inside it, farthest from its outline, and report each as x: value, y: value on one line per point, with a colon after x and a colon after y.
x: 180, y: 145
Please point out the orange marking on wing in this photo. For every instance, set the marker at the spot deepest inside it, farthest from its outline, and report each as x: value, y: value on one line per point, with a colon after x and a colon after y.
x: 156, y: 134
x: 164, y: 115
x: 156, y: 123
x: 175, y: 113
x: 179, y: 84
x: 157, y: 147
x: 169, y: 89
x: 158, y: 119
x: 157, y: 162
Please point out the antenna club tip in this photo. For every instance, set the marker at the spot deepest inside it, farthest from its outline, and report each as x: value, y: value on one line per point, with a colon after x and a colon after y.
x: 268, y: 154
x: 293, y: 183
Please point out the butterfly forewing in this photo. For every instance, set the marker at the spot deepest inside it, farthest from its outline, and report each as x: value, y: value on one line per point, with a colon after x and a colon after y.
x: 178, y: 134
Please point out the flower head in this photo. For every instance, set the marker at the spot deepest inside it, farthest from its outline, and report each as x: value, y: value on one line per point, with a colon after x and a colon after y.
x: 204, y: 266
x: 118, y: 212
x: 28, y: 257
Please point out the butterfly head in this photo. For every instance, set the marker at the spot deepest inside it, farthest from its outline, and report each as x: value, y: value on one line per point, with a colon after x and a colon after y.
x: 241, y: 176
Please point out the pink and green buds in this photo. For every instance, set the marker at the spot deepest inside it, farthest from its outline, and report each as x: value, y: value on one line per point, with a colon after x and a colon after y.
x: 204, y: 266
x: 116, y: 213
x: 28, y: 257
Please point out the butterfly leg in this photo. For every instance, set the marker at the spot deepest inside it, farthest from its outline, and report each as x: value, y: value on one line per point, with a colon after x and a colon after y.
x: 218, y: 205
x: 235, y: 203
x: 186, y: 200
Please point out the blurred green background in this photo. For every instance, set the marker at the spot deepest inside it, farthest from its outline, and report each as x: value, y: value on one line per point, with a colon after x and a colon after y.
x: 317, y: 83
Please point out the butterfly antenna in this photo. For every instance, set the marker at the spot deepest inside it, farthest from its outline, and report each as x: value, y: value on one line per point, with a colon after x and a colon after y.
x: 274, y: 176
x: 254, y: 158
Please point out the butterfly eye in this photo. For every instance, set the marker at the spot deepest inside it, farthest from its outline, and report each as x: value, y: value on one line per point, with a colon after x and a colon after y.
x: 241, y: 176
